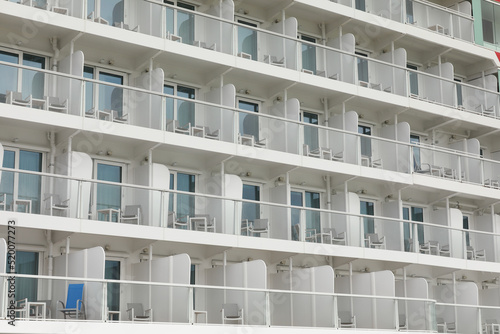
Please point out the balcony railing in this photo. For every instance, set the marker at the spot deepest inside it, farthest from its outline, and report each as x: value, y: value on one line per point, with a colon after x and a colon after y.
x: 258, y: 307
x: 147, y: 206
x: 455, y: 21
x: 196, y: 118
x: 187, y: 304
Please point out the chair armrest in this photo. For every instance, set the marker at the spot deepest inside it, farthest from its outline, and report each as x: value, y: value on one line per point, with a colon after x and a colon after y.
x: 59, y: 301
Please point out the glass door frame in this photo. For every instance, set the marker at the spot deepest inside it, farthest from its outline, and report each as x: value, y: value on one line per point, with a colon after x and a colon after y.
x: 20, y: 61
x: 124, y: 171
x: 17, y: 157
x: 97, y: 70
x: 303, y: 212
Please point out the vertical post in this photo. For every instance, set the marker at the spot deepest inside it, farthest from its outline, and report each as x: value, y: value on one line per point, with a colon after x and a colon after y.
x: 104, y: 300
x: 335, y: 312
x: 191, y: 305
x: 268, y: 309
x: 78, y: 200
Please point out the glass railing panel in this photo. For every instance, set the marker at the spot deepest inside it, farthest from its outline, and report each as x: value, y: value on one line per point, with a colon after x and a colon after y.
x: 41, y: 90
x: 479, y: 101
x: 442, y: 20
x: 302, y: 309
x: 336, y: 66
x: 416, y: 315
x: 439, y: 240
x: 382, y: 75
x: 392, y: 10
x: 367, y: 312
x: 480, y: 246
x: 490, y: 316
x: 229, y: 306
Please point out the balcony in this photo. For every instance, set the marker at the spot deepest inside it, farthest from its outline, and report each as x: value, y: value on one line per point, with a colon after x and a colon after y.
x: 273, y: 128
x: 313, y: 297
x: 33, y: 193
x: 455, y: 21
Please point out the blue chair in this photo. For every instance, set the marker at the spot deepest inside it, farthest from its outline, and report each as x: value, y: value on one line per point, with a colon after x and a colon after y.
x: 74, y: 308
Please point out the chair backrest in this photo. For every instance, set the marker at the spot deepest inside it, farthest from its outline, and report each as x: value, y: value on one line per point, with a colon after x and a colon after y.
x: 75, y: 293
x: 171, y: 218
x: 345, y: 317
x: 230, y: 310
x: 261, y: 223
x: 132, y: 210
x: 138, y: 309
x: 373, y: 237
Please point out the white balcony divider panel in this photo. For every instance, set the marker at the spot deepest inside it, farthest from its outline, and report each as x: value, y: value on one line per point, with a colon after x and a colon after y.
x: 226, y: 12
x: 291, y: 26
x: 438, y: 90
x: 150, y: 105
x: 341, y: 65
x: 388, y: 76
x: 281, y: 313
x: 373, y: 313
x: 214, y: 299
x: 222, y: 119
x: 283, y: 136
x: 473, y: 166
x: 349, y: 224
x: 279, y: 217
x: 415, y: 288
x: 444, y: 293
x: 149, y: 18
x: 462, y: 27
x: 210, y: 30
x: 485, y: 223
x: 308, y: 310
x: 69, y: 88
x: 453, y: 238
x: 341, y: 142
x: 252, y: 274
x: 475, y: 100
x: 467, y: 317
x: 170, y: 303
x: 394, y: 156
x: 494, y: 169
x: 140, y: 271
x: 271, y: 44
x: 496, y: 240
x: 3, y: 266
x: 152, y: 206
x: 441, y: 235
x: 344, y: 304
x: 384, y: 310
x: 364, y: 309
x: 470, y: 167
x: 392, y: 231
x: 86, y: 263
x: 232, y: 213
x: 77, y: 165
